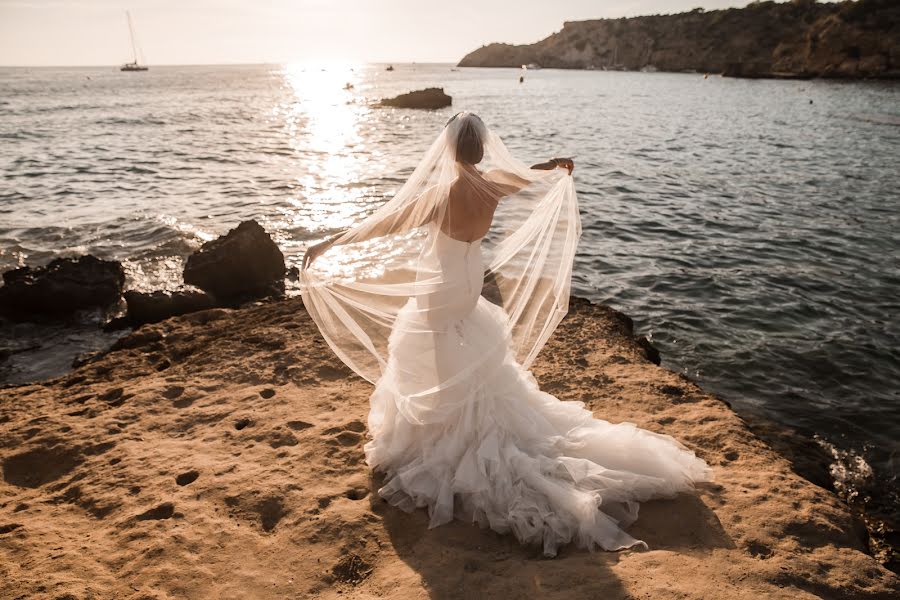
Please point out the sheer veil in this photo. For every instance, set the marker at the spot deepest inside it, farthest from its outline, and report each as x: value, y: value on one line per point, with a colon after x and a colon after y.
x: 384, y: 265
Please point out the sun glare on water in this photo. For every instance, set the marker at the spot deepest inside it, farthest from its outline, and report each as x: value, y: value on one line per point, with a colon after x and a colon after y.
x: 323, y: 114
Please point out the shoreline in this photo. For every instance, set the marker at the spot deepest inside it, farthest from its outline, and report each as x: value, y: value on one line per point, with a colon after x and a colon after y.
x: 224, y: 448
x: 777, y: 76
x: 798, y: 40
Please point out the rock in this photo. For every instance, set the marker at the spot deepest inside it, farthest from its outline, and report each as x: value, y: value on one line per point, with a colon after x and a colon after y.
x: 244, y: 263
x: 61, y: 287
x: 427, y: 98
x: 651, y: 353
x: 760, y: 531
x: 116, y: 324
x: 143, y: 337
x: 150, y: 307
x: 797, y: 39
x: 86, y: 358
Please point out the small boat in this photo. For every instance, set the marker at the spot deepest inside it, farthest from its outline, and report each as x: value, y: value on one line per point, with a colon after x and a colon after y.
x: 390, y: 68
x: 133, y: 65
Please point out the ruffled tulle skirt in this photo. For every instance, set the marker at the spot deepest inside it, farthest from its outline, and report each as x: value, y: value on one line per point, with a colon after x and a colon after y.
x: 459, y: 427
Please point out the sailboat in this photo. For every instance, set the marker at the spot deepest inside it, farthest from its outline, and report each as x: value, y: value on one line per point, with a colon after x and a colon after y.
x: 133, y: 65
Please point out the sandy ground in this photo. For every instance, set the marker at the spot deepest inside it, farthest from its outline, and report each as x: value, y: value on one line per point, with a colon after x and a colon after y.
x: 219, y: 455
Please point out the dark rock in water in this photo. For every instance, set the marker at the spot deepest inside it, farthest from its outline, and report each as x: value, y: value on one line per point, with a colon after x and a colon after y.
x: 650, y: 351
x: 116, y: 324
x: 86, y: 358
x: 244, y: 263
x: 427, y: 98
x: 144, y: 307
x: 61, y: 287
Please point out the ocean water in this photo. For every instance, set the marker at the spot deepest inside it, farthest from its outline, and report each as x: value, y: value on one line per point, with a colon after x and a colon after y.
x: 751, y: 228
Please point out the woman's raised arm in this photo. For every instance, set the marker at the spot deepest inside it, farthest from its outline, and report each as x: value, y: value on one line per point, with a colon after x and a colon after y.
x: 420, y: 211
x: 510, y: 183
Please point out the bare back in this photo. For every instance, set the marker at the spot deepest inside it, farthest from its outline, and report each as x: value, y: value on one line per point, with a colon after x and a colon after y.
x: 472, y: 201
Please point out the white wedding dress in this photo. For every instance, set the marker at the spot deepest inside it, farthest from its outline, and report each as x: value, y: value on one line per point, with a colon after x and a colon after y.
x: 457, y: 422
x: 490, y: 447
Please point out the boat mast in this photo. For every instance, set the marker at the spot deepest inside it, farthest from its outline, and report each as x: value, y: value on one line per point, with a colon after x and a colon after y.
x: 131, y: 32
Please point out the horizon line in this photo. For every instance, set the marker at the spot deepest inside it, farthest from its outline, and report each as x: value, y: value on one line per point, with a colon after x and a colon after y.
x: 235, y: 64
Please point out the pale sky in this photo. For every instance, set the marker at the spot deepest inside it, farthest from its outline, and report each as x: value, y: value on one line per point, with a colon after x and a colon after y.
x: 94, y: 32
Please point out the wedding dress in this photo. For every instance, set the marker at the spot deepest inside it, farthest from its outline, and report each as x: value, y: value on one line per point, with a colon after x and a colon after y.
x: 458, y: 424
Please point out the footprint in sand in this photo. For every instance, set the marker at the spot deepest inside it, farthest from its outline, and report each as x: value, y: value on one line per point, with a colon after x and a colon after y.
x: 173, y: 391
x: 9, y: 527
x: 758, y: 550
x: 187, y: 477
x: 115, y: 396
x: 111, y: 395
x: 677, y: 395
x: 41, y: 465
x: 277, y: 439
x: 176, y: 394
x: 269, y: 510
x: 347, y: 435
x: 356, y: 493
x: 332, y: 372
x: 163, y: 511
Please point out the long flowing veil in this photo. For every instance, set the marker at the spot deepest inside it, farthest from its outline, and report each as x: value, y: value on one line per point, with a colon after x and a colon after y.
x: 357, y: 289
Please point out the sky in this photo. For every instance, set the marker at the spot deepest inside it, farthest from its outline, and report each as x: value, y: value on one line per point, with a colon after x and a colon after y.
x: 95, y: 32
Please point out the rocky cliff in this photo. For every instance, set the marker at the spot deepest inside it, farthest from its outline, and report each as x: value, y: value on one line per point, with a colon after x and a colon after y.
x: 802, y: 38
x: 220, y: 455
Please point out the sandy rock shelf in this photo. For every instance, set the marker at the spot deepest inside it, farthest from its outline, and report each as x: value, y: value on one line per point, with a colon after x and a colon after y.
x: 219, y: 455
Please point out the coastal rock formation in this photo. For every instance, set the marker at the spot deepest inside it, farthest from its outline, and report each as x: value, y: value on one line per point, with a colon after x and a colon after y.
x: 150, y: 307
x: 802, y: 38
x: 244, y: 263
x: 62, y: 287
x: 427, y: 98
x: 220, y: 455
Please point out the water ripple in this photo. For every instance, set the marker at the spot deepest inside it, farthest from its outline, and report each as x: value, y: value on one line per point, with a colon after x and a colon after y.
x: 752, y: 234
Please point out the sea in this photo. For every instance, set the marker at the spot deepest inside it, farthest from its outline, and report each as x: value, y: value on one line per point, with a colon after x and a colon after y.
x: 751, y: 228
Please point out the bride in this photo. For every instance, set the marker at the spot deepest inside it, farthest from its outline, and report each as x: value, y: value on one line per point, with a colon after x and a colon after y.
x: 442, y: 298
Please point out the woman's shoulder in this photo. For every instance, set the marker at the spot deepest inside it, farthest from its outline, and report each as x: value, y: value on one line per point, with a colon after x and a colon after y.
x: 478, y: 186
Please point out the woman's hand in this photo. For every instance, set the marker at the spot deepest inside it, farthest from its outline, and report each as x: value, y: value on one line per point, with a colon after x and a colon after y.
x: 553, y: 163
x: 315, y: 251
x: 565, y: 163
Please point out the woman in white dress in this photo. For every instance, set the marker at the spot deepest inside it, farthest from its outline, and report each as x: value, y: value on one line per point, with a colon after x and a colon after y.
x: 442, y: 298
